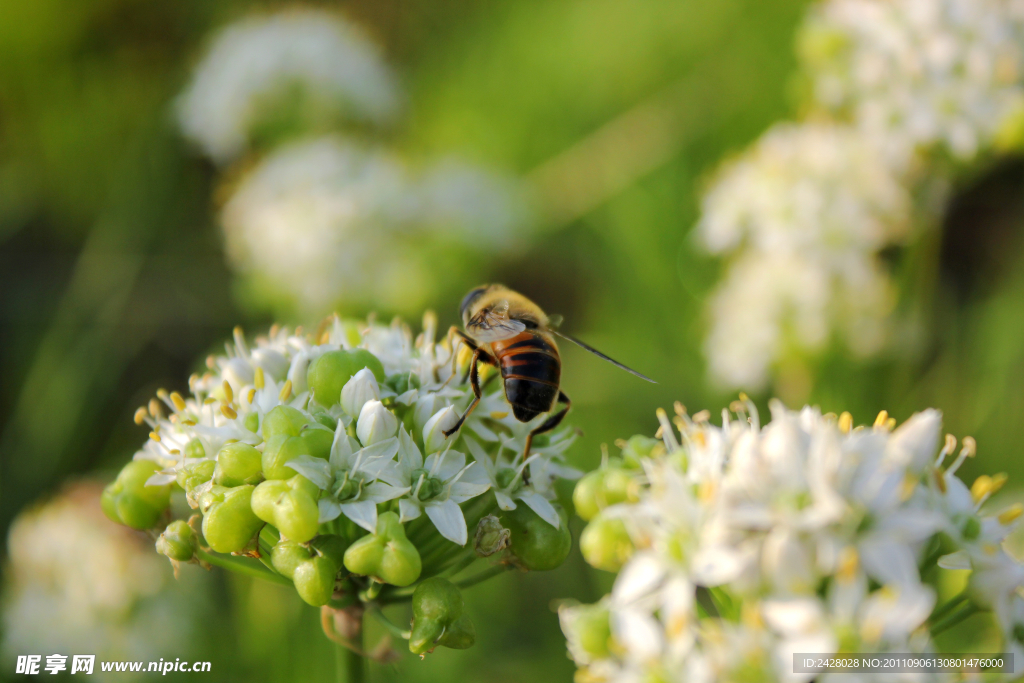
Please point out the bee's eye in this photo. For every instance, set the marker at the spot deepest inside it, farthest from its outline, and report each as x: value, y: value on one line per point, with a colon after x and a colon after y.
x: 468, y: 300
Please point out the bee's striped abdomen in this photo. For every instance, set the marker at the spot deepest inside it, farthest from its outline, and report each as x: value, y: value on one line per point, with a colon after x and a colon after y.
x: 531, y: 369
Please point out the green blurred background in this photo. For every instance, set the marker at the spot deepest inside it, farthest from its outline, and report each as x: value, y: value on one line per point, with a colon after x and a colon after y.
x: 113, y: 280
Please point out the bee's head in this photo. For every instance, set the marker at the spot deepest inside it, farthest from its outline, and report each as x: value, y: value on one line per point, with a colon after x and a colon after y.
x: 466, y: 308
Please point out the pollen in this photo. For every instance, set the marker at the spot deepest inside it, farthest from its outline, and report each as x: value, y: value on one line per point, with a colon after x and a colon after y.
x: 154, y: 408
x: 883, y: 419
x: 190, y: 422
x: 140, y: 415
x: 845, y: 422
x: 849, y: 561
x: 286, y: 391
x: 209, y: 400
x: 1010, y: 514
x: 162, y: 394
x: 259, y: 382
x: 178, y: 401
x: 679, y: 408
x: 702, y: 416
x: 981, y: 488
x: 229, y: 394
x: 154, y: 436
x: 228, y: 411
x: 252, y: 396
x: 499, y: 415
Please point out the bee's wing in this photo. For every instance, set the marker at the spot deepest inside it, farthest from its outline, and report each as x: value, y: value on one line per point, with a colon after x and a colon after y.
x: 597, y: 353
x: 493, y: 324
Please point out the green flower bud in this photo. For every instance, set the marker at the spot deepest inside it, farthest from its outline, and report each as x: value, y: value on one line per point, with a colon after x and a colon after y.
x: 537, y: 545
x: 639, y: 447
x: 237, y: 464
x: 326, y: 419
x: 606, y: 544
x: 387, y: 555
x: 228, y: 520
x: 971, y: 528
x: 252, y: 422
x: 491, y: 537
x: 127, y: 500
x: 287, y: 555
x: 283, y: 420
x: 313, y: 569
x: 438, y: 619
x: 330, y: 372
x: 314, y: 580
x: 597, y: 490
x: 194, y: 449
x: 281, y: 449
x: 588, y: 628
x: 290, y: 505
x: 193, y: 475
x: 402, y: 382
x: 177, y: 542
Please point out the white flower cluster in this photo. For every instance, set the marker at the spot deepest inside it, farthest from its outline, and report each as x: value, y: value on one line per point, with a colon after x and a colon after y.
x: 920, y: 73
x: 303, y: 223
x: 804, y: 212
x: 806, y: 208
x: 326, y: 219
x: 259, y: 62
x: 377, y: 432
x: 740, y: 545
x: 76, y: 582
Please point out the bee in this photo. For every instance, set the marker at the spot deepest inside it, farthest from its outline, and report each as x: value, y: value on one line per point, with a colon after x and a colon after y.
x: 505, y: 329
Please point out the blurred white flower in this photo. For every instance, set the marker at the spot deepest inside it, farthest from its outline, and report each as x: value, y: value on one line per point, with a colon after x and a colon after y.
x: 919, y: 72
x: 750, y: 544
x: 804, y: 213
x: 260, y: 62
x: 77, y: 582
x: 324, y: 220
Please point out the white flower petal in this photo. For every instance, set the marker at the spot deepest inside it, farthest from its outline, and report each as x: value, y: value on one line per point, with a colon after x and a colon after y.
x: 317, y: 470
x: 448, y: 518
x: 540, y: 505
x: 408, y: 510
x: 329, y: 509
x: 958, y: 560
x: 363, y: 513
x: 379, y: 492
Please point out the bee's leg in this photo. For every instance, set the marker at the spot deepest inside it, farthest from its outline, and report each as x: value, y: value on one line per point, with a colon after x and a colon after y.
x: 463, y: 338
x: 548, y: 424
x: 479, y: 356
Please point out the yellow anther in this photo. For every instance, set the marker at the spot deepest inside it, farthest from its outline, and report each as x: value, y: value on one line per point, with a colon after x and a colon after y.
x: 990, y: 548
x: 849, y: 561
x: 178, y: 401
x: 981, y: 487
x: 192, y: 379
x: 698, y: 437
x: 229, y: 394
x: 140, y: 415
x: 325, y: 337
x: 154, y: 436
x: 882, y: 419
x: 950, y: 443
x: 274, y: 329
x: 228, y: 411
x: 909, y: 484
x: 706, y: 491
x: 998, y: 481
x: 238, y: 331
x: 657, y: 434
x: 286, y: 391
x: 259, y: 383
x: 737, y: 406
x: 175, y: 451
x: 252, y: 396
x: 750, y: 615
x: 155, y: 408
x: 940, y: 480
x: 190, y: 422
x: 620, y: 443
x: 1011, y: 513
x: 744, y: 397
x: 679, y: 408
x: 162, y: 394
x: 702, y: 416
x: 208, y: 400
x: 173, y: 417
x: 845, y: 422
x: 890, y: 424
x: 211, y: 362
x: 499, y: 415
x: 970, y: 446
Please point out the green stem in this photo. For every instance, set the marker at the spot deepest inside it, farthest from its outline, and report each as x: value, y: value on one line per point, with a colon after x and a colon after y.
x: 242, y: 566
x: 349, y: 665
x: 955, y: 619
x: 707, y: 601
x: 483, y: 576
x: 468, y: 558
x: 943, y: 610
x: 394, y: 628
